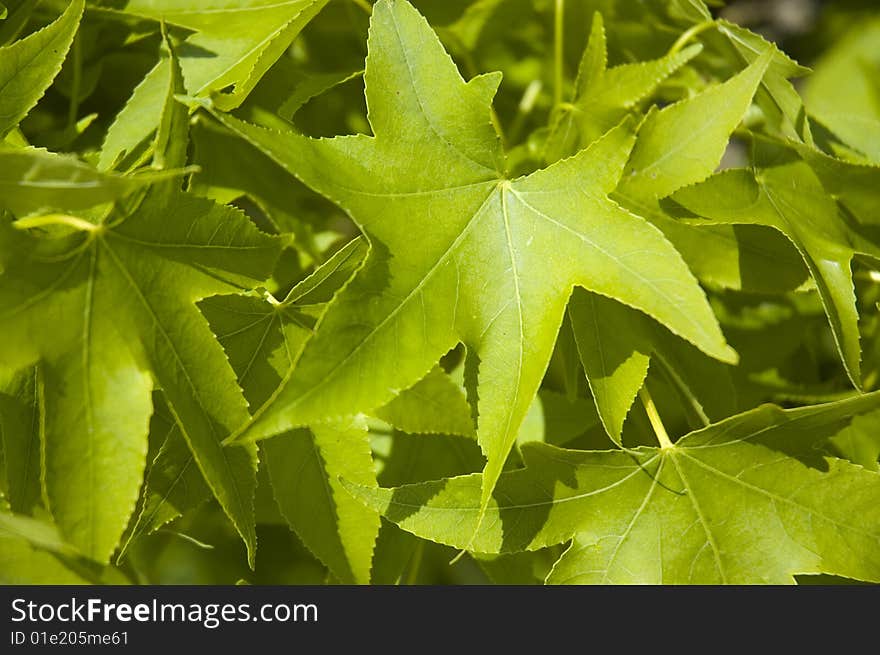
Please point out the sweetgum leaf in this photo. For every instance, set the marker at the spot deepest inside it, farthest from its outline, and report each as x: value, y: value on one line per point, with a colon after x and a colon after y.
x: 495, y: 259
x: 853, y: 185
x: 781, y: 105
x: 784, y: 193
x: 136, y: 122
x: 234, y: 43
x: 262, y: 338
x: 305, y: 467
x: 28, y: 66
x: 97, y: 412
x: 231, y: 168
x: 605, y: 95
x: 233, y: 46
x: 615, y: 343
x: 671, y: 152
x: 132, y: 280
x: 749, y: 500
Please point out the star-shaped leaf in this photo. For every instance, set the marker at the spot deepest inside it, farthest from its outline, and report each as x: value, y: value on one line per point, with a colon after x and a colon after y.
x: 460, y: 253
x: 682, y: 144
x: 262, y: 338
x: 751, y: 499
x: 129, y: 290
x: 128, y: 280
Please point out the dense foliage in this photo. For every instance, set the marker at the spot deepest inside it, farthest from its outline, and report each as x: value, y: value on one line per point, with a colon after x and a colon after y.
x: 308, y: 291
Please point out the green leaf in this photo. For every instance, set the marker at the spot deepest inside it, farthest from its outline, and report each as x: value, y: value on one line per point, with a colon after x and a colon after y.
x: 305, y: 467
x: 138, y: 276
x: 747, y: 500
x: 843, y: 94
x: 859, y: 442
x: 405, y: 459
x: 493, y: 266
x: 262, y: 339
x: 21, y: 422
x: 33, y: 552
x: 285, y: 89
x: 671, y: 153
x: 617, y: 344
x: 784, y: 193
x: 325, y: 282
x: 173, y: 484
x: 28, y: 66
x: 746, y: 258
x: 133, y: 280
x: 852, y: 184
x: 37, y: 532
x: 604, y: 96
x: 172, y: 135
x: 97, y: 410
x: 276, y: 44
x: 683, y: 143
x: 34, y: 180
x: 614, y: 343
x: 130, y: 129
x: 25, y: 553
x: 233, y: 46
x: 434, y: 404
x: 779, y: 101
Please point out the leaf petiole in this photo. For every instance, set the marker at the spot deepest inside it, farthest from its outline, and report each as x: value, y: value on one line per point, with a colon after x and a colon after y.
x: 654, y: 417
x: 56, y: 219
x: 688, y: 35
x: 558, y: 21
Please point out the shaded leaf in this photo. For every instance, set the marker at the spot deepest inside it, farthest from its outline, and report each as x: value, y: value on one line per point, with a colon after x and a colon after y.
x: 28, y: 66
x: 659, y: 515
